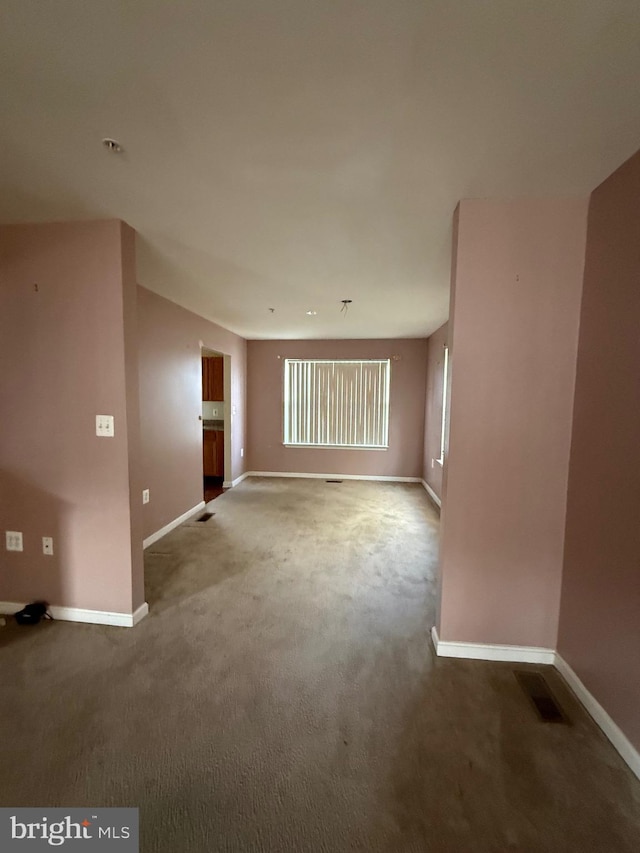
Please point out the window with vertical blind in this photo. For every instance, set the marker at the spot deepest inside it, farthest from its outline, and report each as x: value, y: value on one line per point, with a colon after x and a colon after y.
x: 443, y: 421
x: 336, y: 403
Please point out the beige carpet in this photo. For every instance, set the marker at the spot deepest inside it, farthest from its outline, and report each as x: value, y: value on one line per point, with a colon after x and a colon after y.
x: 282, y: 695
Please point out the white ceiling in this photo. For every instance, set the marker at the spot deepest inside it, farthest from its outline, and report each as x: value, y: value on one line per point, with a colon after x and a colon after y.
x: 288, y: 154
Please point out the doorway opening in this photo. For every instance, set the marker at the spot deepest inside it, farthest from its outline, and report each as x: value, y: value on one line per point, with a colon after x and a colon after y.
x: 215, y: 422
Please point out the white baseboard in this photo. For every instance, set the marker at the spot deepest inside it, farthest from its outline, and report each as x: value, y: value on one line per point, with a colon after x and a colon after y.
x: 381, y: 479
x: 617, y: 737
x: 229, y: 484
x: 77, y: 614
x: 432, y: 494
x: 481, y: 651
x: 140, y: 613
x: 172, y: 525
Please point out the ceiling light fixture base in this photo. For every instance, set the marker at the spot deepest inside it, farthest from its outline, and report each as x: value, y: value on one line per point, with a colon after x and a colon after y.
x: 112, y: 145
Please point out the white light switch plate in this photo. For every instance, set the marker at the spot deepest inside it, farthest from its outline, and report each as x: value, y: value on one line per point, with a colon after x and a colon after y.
x: 145, y: 496
x: 104, y: 426
x: 47, y: 545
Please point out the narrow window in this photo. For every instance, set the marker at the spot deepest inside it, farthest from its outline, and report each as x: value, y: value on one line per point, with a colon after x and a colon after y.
x: 443, y: 422
x: 336, y: 403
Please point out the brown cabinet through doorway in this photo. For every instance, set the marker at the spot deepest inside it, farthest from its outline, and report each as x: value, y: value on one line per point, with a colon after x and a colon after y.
x: 213, y: 452
x: 213, y: 378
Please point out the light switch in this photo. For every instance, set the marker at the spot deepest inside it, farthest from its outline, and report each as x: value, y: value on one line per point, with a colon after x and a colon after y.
x: 13, y: 540
x: 104, y: 426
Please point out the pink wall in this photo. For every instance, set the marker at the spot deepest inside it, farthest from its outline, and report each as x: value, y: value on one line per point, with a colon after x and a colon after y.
x: 64, y: 361
x: 406, y: 415
x: 432, y: 470
x: 513, y: 337
x: 171, y: 401
x: 599, y: 633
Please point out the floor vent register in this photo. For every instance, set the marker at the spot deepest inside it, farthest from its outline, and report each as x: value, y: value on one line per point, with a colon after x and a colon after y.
x: 536, y: 688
